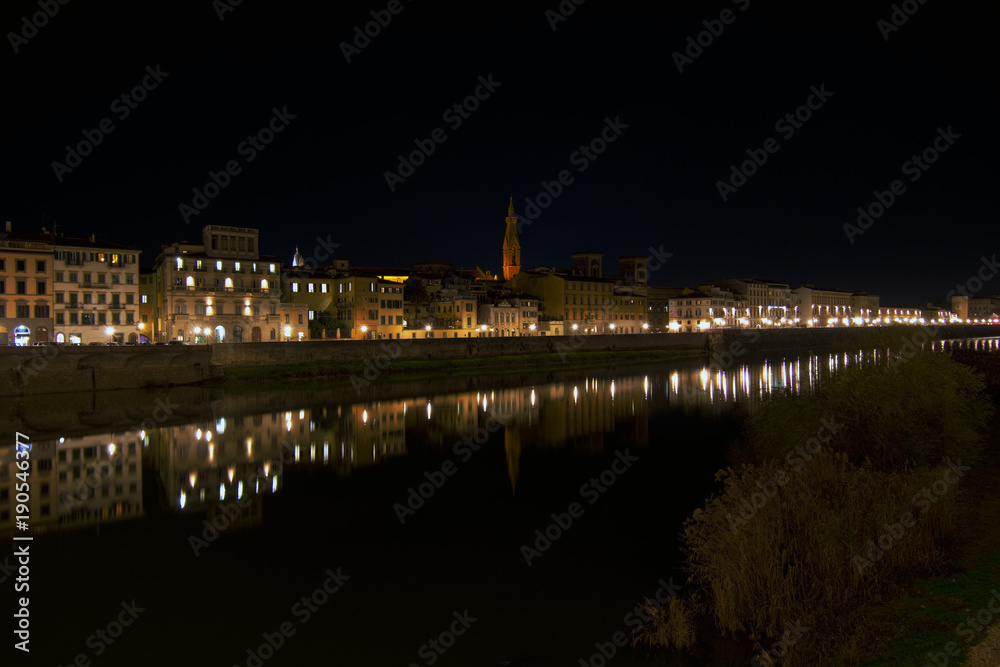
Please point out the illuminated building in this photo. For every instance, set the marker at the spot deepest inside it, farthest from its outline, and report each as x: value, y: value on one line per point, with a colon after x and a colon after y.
x: 96, y: 291
x: 511, y: 245
x: 223, y: 290
x: 25, y: 288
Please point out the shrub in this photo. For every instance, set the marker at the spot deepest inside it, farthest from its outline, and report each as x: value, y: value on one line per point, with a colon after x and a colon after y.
x: 796, y: 560
x: 669, y: 626
x: 917, y: 412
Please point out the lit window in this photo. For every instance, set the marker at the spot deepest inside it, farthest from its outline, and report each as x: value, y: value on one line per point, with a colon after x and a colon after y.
x: 272, y: 268
x: 295, y: 287
x: 322, y: 288
x: 218, y: 266
x: 180, y: 263
x: 310, y: 287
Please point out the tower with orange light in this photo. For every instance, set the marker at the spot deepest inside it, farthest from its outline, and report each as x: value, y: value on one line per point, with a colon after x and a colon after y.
x: 511, y: 245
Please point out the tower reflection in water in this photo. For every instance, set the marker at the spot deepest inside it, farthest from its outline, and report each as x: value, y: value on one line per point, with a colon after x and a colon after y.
x: 86, y: 480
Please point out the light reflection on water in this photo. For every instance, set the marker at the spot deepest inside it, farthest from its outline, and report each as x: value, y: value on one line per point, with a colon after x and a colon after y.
x: 97, y: 478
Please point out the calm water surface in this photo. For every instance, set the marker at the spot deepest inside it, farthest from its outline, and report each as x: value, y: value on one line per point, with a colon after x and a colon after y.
x: 429, y: 512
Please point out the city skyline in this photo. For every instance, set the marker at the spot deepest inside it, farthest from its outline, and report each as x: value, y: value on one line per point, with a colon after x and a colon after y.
x: 739, y: 138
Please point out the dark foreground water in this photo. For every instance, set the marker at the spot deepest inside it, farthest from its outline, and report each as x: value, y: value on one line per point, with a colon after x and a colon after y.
x: 518, y: 521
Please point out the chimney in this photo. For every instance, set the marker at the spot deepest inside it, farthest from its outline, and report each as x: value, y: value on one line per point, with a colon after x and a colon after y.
x: 92, y: 238
x: 8, y: 225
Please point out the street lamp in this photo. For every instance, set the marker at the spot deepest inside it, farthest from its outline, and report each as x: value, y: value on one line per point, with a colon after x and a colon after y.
x: 110, y: 332
x: 364, y: 331
x: 288, y: 333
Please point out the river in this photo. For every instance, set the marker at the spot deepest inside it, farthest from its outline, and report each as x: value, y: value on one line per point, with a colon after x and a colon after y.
x: 519, y: 520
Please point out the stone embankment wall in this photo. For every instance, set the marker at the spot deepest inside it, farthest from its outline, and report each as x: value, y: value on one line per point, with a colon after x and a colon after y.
x: 26, y: 371
x: 51, y: 370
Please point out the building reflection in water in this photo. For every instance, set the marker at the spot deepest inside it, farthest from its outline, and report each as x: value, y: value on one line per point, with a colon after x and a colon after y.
x: 239, y: 458
x: 74, y: 482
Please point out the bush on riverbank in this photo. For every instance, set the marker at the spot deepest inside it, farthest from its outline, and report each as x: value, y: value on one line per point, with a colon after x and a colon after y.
x: 811, y: 552
x: 846, y: 494
x: 917, y: 412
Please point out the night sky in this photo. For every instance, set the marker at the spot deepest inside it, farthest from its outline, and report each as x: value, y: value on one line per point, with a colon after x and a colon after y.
x: 656, y: 184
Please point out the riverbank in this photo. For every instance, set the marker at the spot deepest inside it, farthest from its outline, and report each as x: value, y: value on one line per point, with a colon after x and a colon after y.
x: 363, y: 375
x: 54, y: 370
x: 882, y: 517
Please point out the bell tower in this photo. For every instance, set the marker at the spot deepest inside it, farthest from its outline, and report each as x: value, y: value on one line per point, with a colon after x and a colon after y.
x: 511, y: 245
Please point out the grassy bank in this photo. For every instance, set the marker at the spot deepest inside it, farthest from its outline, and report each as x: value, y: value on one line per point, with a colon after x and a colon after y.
x: 857, y: 522
x: 342, y: 373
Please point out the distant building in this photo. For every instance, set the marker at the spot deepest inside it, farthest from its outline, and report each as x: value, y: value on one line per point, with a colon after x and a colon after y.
x: 96, y: 291
x: 765, y: 302
x: 223, y: 290
x: 511, y: 245
x: 814, y: 306
x: 25, y: 288
x: 707, y: 308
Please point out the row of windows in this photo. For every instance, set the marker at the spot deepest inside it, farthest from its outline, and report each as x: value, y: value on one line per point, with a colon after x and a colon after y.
x: 91, y: 319
x: 21, y: 286
x: 21, y: 265
x: 102, y: 298
x: 22, y: 310
x: 203, y: 264
x: 233, y: 243
x: 112, y: 258
x: 88, y: 278
x: 590, y: 287
x: 220, y: 308
x: 192, y: 282
x: 591, y: 301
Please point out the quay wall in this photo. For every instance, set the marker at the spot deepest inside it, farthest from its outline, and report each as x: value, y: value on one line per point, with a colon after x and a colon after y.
x: 28, y: 371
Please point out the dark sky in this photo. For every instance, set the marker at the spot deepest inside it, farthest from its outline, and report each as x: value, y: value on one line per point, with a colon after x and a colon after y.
x: 655, y: 185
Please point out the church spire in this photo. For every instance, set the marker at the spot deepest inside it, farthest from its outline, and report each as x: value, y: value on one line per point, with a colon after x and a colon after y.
x: 511, y: 245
